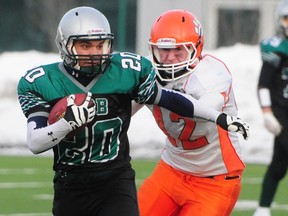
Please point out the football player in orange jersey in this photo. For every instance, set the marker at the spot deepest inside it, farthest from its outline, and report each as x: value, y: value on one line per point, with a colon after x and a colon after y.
x: 200, y: 169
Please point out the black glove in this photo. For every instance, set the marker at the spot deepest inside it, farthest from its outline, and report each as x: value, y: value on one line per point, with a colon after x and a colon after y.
x: 78, y: 115
x: 233, y: 124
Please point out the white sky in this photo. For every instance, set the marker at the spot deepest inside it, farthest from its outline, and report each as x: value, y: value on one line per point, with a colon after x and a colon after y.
x: 145, y: 138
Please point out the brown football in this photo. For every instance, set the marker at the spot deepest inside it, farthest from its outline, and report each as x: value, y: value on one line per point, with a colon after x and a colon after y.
x: 59, y: 109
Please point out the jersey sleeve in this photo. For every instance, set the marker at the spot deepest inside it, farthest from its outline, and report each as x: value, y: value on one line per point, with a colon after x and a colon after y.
x: 30, y: 100
x: 146, y: 91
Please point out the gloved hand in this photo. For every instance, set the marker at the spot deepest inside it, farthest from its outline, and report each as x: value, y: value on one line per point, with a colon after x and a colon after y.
x: 271, y: 123
x: 78, y: 115
x: 233, y: 124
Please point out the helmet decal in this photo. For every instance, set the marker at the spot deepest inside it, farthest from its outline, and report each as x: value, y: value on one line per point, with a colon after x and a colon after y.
x: 198, y: 27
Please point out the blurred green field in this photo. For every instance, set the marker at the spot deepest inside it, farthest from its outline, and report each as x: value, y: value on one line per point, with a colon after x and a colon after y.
x: 26, y: 186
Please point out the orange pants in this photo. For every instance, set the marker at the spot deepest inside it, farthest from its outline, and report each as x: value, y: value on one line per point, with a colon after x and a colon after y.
x: 168, y: 192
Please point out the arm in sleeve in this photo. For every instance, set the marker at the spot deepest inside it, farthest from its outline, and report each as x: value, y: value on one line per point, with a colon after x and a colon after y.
x: 265, y: 84
x: 185, y: 105
x: 41, y: 137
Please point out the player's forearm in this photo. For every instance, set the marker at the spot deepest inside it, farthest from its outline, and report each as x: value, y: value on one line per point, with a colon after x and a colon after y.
x: 185, y: 105
x: 42, y: 139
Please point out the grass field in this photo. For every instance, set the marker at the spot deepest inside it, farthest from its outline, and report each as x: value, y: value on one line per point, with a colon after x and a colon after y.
x: 26, y: 187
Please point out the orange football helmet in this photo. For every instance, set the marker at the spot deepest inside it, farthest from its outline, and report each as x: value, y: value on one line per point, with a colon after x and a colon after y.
x: 173, y: 29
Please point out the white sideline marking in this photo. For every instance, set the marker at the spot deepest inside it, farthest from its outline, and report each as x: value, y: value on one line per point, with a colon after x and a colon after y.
x: 26, y: 171
x: 252, y: 180
x: 28, y: 214
x: 43, y: 197
x: 246, y: 204
x: 243, y: 205
x: 11, y: 185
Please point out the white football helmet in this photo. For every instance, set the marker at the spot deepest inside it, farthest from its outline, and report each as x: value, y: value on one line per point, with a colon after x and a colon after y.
x: 84, y: 23
x: 282, y: 18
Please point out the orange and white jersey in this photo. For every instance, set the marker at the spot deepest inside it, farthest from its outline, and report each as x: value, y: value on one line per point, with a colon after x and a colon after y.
x: 196, y: 146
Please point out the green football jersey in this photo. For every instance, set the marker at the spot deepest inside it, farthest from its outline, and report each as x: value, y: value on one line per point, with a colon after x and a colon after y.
x: 104, y: 141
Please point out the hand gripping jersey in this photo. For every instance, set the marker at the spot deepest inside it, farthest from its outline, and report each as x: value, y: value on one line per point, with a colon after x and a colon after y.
x: 104, y: 142
x: 196, y: 146
x: 274, y: 73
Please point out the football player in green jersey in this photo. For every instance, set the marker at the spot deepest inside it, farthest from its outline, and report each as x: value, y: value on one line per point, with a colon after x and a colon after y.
x: 273, y: 98
x: 93, y: 174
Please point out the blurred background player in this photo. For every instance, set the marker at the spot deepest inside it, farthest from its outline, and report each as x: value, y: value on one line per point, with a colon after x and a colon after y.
x: 200, y: 169
x: 93, y: 173
x: 273, y: 98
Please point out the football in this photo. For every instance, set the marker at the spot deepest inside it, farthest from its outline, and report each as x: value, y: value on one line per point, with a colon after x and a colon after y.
x: 59, y: 109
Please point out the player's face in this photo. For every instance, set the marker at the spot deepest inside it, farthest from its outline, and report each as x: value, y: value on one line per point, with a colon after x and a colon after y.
x: 172, y: 55
x: 89, y: 48
x: 284, y: 21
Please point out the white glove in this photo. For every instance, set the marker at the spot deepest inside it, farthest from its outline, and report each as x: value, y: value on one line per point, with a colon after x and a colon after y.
x: 78, y: 115
x: 233, y: 124
x: 271, y: 123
